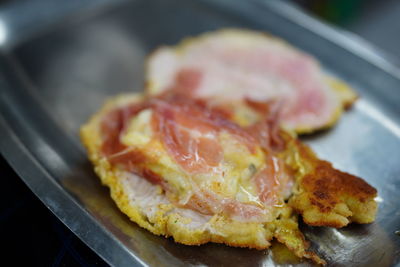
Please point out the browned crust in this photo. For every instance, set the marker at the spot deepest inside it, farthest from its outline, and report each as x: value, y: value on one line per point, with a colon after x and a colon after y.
x: 328, y: 197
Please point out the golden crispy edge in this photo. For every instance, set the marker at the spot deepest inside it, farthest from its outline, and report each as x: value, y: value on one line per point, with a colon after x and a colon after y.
x: 326, y: 196
x: 346, y: 93
x: 347, y: 96
x: 241, y: 234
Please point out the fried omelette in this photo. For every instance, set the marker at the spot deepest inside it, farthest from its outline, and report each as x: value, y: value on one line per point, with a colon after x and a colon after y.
x: 236, y: 65
x: 180, y: 167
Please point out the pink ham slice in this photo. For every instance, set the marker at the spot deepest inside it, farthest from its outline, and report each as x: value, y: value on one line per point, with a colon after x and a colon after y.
x: 235, y: 65
x: 191, y: 140
x: 274, y: 182
x: 189, y: 131
x: 209, y: 203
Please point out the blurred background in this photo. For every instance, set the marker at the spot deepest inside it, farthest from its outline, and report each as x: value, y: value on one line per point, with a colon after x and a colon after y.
x: 376, y: 21
x: 27, y: 226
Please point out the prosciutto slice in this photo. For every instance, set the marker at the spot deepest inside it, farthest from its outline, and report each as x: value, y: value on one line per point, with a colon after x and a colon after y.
x: 237, y: 65
x: 190, y: 130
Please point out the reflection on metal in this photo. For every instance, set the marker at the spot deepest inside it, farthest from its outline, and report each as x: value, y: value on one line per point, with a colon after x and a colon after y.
x: 3, y: 32
x: 374, y: 113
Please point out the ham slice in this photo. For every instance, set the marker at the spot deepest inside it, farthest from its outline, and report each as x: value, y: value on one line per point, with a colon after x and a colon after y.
x: 189, y: 131
x: 248, y: 67
x: 188, y: 137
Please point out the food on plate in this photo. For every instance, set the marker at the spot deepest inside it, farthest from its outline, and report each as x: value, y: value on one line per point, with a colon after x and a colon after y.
x: 243, y: 67
x: 186, y: 168
x: 208, y: 153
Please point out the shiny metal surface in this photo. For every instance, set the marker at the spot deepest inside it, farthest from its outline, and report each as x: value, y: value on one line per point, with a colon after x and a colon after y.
x: 53, y: 79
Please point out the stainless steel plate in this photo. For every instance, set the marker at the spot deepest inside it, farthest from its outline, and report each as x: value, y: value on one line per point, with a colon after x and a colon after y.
x: 62, y: 59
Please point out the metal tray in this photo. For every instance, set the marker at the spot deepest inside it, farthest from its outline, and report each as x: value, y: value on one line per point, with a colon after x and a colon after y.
x: 61, y: 59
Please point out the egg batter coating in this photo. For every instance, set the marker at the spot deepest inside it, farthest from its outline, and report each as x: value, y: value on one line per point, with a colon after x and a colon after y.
x: 202, y: 173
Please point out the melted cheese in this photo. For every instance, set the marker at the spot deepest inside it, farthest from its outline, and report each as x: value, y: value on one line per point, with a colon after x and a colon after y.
x: 232, y: 178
